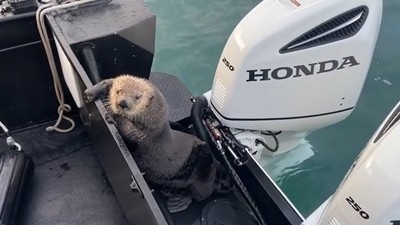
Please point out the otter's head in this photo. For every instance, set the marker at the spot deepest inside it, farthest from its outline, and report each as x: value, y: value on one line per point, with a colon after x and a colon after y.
x: 131, y: 96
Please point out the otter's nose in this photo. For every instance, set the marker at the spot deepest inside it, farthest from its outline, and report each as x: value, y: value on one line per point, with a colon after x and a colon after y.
x: 123, y: 104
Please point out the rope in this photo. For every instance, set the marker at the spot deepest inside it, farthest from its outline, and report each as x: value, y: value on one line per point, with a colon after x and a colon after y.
x: 56, y: 79
x: 4, y: 128
x: 10, y: 140
x: 52, y: 5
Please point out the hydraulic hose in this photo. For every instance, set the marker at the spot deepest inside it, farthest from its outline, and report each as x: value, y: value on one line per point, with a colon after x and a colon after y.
x: 199, y: 103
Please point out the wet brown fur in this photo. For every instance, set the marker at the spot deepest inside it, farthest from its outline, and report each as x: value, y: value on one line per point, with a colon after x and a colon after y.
x: 173, y: 160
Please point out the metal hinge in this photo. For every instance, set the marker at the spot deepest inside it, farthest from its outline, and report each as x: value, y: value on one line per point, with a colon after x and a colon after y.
x: 135, y: 187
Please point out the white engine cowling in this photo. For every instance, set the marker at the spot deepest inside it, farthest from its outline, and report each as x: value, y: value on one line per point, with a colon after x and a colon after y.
x: 296, y: 65
x: 369, y: 193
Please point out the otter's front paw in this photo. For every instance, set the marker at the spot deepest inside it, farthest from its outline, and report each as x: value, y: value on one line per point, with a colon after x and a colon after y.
x: 88, y: 95
x: 110, y: 119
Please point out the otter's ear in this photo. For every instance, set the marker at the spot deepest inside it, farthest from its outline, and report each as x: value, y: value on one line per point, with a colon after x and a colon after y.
x: 97, y: 90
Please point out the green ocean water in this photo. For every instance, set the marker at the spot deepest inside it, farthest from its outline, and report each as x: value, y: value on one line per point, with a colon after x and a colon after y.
x: 190, y: 38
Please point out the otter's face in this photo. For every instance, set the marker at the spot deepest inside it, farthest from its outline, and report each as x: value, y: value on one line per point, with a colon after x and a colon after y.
x: 129, y: 97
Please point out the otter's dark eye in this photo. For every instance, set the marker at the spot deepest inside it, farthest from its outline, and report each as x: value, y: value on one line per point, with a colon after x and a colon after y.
x: 118, y: 92
x: 138, y: 96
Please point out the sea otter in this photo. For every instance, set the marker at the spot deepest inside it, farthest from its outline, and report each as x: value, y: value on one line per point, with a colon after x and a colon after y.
x: 178, y: 164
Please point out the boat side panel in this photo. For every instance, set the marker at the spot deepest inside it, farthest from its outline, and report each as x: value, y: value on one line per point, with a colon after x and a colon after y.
x: 271, y: 202
x: 26, y: 86
x: 132, y: 191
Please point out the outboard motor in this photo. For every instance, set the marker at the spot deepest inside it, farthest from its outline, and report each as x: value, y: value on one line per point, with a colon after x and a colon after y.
x: 294, y: 66
x: 369, y: 193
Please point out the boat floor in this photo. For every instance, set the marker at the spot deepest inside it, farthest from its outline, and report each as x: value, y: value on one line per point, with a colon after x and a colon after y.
x: 68, y: 184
